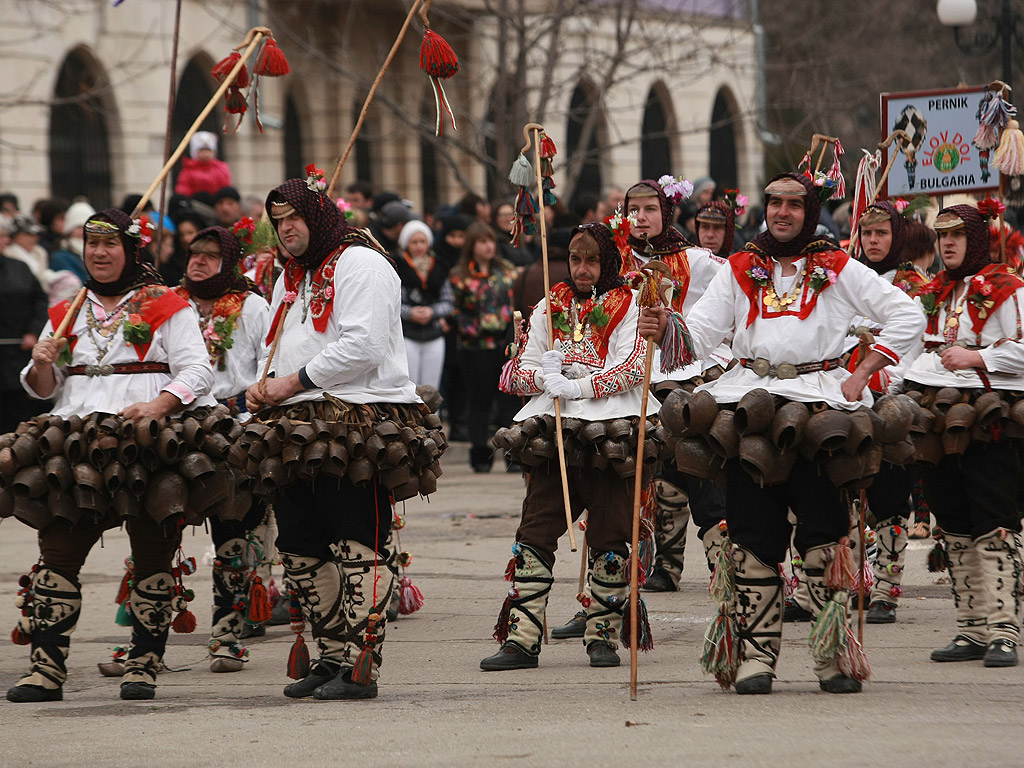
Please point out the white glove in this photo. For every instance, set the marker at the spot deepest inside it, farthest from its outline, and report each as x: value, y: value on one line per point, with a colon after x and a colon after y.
x: 551, y: 361
x: 558, y: 386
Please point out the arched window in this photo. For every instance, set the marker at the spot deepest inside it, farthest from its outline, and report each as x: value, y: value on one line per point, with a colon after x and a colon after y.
x: 722, y: 161
x: 655, y: 141
x: 80, y: 123
x: 295, y: 161
x: 195, y: 88
x: 582, y: 108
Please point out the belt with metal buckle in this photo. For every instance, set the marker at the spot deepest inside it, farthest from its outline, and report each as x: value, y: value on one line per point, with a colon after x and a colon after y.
x: 109, y: 369
x: 939, y: 348
x: 762, y: 367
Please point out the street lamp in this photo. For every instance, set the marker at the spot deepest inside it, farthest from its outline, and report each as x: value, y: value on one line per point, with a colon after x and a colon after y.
x: 962, y: 13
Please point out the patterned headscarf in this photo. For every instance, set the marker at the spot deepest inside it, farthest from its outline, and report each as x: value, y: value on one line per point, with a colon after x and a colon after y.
x: 671, y: 239
x: 326, y: 223
x: 899, y: 238
x: 229, y: 279
x: 766, y: 242
x: 717, y: 209
x: 135, y: 273
x: 977, y: 256
x: 611, y: 259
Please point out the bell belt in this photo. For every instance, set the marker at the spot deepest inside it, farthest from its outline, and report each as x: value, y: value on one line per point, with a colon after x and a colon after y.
x: 763, y: 367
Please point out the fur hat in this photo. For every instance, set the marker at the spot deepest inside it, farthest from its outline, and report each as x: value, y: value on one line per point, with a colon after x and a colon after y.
x: 202, y: 140
x: 410, y: 229
x: 76, y: 216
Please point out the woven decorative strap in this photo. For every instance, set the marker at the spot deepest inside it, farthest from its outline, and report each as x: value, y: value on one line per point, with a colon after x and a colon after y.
x: 110, y: 369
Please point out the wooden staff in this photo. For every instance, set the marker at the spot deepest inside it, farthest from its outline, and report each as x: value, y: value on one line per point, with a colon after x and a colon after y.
x: 820, y: 138
x: 534, y: 129
x: 644, y: 299
x: 72, y: 310
x: 863, y: 556
x: 423, y: 6
x: 170, y: 120
x: 904, y: 145
x: 251, y: 42
x: 273, y: 347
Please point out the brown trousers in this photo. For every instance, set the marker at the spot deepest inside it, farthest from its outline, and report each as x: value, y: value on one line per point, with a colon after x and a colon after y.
x: 607, y: 497
x: 64, y: 547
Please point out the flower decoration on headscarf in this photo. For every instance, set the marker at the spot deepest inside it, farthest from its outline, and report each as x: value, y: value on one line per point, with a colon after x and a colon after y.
x: 676, y: 190
x: 142, y: 230
x: 991, y: 208
x: 345, y: 208
x: 736, y: 201
x: 244, y: 229
x: 315, y: 181
x: 621, y: 225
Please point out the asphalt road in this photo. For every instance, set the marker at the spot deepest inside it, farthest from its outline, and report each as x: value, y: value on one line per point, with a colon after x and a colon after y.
x: 436, y: 708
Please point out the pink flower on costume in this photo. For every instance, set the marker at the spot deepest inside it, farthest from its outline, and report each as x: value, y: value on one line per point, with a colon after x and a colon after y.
x: 986, y: 289
x: 832, y: 276
x: 328, y: 291
x: 290, y: 297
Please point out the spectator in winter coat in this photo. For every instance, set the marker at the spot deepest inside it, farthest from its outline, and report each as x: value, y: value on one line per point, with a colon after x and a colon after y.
x: 202, y: 171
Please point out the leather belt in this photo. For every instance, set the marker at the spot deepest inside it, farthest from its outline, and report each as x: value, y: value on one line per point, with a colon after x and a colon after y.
x: 110, y: 369
x: 762, y: 367
x: 939, y: 347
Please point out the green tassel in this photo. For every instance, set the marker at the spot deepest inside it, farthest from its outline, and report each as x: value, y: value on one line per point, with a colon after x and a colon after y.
x: 124, y: 615
x: 720, y: 656
x: 828, y: 635
x: 723, y: 580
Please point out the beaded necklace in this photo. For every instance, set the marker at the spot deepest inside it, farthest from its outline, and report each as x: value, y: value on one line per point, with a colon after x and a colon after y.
x: 107, y: 329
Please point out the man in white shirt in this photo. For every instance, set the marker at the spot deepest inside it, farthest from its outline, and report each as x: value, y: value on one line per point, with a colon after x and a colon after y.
x: 340, y: 344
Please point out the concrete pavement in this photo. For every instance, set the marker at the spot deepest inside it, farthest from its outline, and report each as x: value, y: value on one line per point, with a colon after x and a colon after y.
x: 436, y: 708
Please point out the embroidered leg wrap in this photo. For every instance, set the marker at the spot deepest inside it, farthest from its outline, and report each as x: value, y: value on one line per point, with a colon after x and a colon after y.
x: 55, y: 603
x: 967, y: 582
x: 359, y: 565
x: 151, y: 619
x: 230, y: 596
x: 712, y: 540
x: 527, y: 600
x: 758, y: 614
x: 317, y: 584
x: 670, y: 528
x: 891, y: 537
x: 835, y: 650
x: 609, y: 587
x: 1000, y: 562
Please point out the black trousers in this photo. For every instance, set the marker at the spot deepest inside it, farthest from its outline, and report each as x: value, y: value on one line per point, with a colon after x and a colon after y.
x: 480, y: 370
x: 975, y: 493
x: 707, y: 500
x: 222, y: 531
x: 312, y: 517
x: 889, y: 493
x: 758, y: 517
x: 64, y: 547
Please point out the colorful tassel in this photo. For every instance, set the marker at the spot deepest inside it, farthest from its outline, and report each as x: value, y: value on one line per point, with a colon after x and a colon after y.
x: 723, y: 581
x: 259, y: 602
x: 437, y: 58
x: 938, y: 558
x: 125, y: 590
x: 828, y: 634
x: 271, y: 61
x: 184, y: 623
x: 841, y: 573
x: 298, y: 659
x: 835, y: 173
x: 234, y: 101
x: 362, y: 669
x: 20, y: 637
x: 852, y: 661
x: 223, y: 68
x: 124, y: 614
x: 720, y: 656
x: 644, y: 638
x: 501, y: 625
x: 510, y: 570
x: 410, y: 599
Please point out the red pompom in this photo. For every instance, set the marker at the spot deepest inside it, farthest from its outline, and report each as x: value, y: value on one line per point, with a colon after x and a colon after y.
x: 20, y: 637
x: 437, y: 58
x: 272, y: 62
x: 547, y: 147
x: 223, y: 68
x: 298, y: 659
x: 184, y: 622
x: 234, y: 102
x: 259, y: 603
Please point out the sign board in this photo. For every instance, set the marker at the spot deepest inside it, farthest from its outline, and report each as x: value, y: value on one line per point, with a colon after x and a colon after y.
x: 941, y: 125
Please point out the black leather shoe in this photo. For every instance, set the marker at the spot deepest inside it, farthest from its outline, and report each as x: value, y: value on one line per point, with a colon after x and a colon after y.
x: 602, y: 654
x: 280, y: 614
x: 304, y: 688
x: 252, y: 630
x: 34, y: 693
x: 342, y: 688
x: 962, y: 648
x: 881, y: 613
x: 137, y: 691
x: 1001, y: 653
x: 840, y: 684
x: 574, y: 627
x: 756, y: 685
x: 793, y: 611
x: 509, y: 657
x: 659, y: 581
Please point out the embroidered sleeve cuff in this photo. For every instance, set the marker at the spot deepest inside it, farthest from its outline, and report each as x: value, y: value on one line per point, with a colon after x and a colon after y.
x: 304, y: 380
x: 181, y: 392
x: 883, y: 350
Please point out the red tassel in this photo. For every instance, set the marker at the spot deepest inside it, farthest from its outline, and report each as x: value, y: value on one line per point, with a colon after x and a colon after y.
x: 223, y: 68
x: 20, y: 636
x: 547, y: 147
x: 259, y: 603
x: 510, y: 570
x: 841, y: 572
x: 501, y: 625
x: 298, y: 659
x: 437, y: 58
x: 410, y: 599
x: 184, y: 622
x: 234, y: 102
x: 362, y: 670
x: 272, y: 62
x: 125, y: 590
